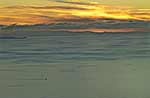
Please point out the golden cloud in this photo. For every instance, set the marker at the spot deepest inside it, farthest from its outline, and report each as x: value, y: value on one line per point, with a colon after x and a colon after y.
x: 73, y: 12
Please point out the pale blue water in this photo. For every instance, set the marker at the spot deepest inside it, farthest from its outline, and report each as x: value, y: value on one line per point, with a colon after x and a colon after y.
x: 75, y: 65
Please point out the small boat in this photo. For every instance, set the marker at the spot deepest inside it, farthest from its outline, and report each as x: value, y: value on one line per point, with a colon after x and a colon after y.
x: 11, y: 37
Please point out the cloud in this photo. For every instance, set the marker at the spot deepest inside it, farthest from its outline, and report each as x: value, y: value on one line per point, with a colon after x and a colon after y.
x: 71, y: 12
x: 76, y: 3
x: 47, y: 7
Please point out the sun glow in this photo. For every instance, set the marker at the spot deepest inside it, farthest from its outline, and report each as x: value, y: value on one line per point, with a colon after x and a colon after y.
x: 73, y: 10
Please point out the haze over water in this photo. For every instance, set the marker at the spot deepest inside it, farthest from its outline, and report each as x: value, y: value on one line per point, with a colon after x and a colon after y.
x: 75, y: 65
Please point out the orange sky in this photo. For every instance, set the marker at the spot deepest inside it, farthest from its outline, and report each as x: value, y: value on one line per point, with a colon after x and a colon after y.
x: 61, y: 11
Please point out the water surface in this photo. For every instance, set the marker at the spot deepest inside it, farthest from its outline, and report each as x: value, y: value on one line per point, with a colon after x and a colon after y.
x: 75, y: 65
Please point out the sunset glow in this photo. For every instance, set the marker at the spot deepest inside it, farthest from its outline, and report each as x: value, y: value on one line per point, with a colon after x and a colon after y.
x: 65, y: 10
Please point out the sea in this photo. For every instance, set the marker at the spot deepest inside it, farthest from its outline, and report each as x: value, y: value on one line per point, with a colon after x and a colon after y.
x: 75, y: 65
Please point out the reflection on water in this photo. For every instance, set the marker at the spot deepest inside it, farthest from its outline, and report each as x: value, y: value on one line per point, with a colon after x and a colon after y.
x: 75, y: 65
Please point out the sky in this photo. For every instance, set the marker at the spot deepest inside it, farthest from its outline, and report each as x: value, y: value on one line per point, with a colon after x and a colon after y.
x: 135, y: 3
x: 56, y: 11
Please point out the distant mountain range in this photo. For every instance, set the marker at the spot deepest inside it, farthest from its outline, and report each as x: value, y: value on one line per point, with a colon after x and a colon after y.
x: 103, y: 24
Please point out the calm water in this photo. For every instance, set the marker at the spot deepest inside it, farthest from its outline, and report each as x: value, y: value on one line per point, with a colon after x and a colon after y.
x: 75, y: 65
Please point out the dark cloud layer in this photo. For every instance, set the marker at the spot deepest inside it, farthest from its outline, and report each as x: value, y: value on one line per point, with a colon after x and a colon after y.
x: 48, y: 7
x: 73, y: 2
